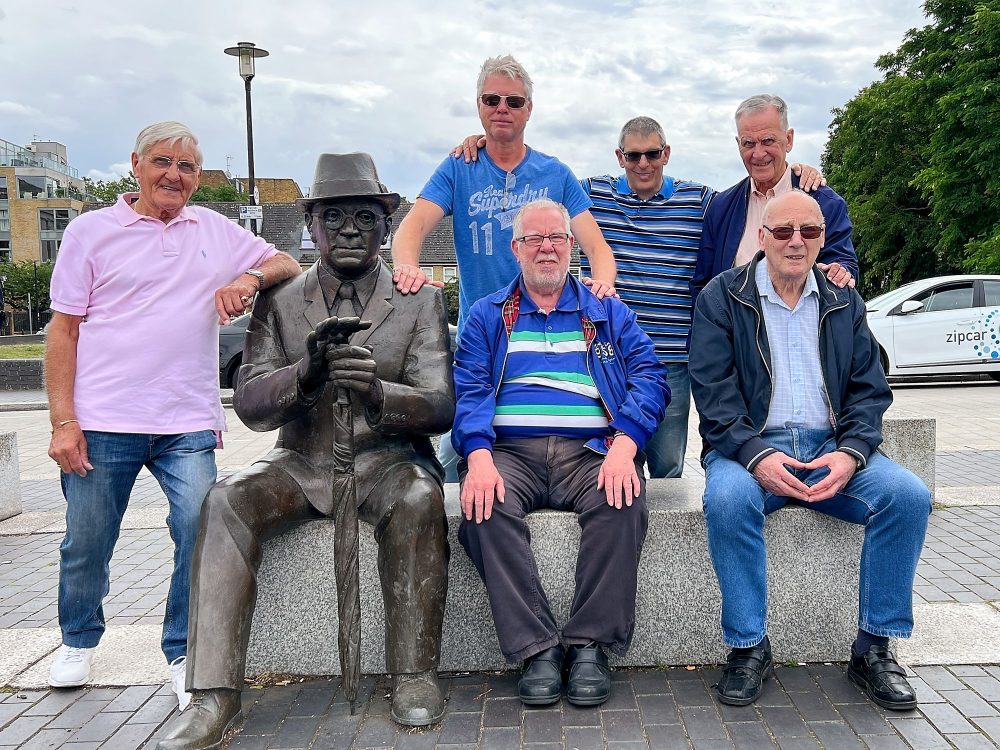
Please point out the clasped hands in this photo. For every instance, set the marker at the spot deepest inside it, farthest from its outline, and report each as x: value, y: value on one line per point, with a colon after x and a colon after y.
x: 774, y: 476
x: 331, y: 359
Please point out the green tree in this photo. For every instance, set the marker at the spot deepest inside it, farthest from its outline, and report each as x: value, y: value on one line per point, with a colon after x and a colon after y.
x: 917, y: 154
x: 451, y: 295
x: 109, y: 190
x: 224, y: 193
x: 27, y: 281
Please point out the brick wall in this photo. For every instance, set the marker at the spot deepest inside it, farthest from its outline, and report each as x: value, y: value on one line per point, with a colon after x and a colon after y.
x: 21, y: 375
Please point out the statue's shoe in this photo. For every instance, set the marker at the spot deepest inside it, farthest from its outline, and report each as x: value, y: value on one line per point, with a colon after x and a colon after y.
x: 417, y: 699
x: 202, y: 726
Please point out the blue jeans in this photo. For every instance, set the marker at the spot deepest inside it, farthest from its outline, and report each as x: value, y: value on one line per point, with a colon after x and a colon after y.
x: 665, y: 450
x: 184, y: 465
x: 890, y: 502
x: 448, y: 457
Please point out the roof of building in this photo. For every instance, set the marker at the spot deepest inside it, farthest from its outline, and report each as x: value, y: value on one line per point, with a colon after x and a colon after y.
x: 282, y: 224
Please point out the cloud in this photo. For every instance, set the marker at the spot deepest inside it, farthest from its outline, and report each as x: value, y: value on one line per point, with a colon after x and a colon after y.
x: 113, y: 172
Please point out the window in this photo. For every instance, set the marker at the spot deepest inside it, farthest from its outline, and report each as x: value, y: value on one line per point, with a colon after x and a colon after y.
x: 54, y: 219
x: 3, y: 188
x: 429, y: 270
x: 31, y: 187
x: 450, y: 273
x: 991, y: 291
x: 5, y: 255
x: 950, y: 297
x: 50, y: 248
x: 4, y: 220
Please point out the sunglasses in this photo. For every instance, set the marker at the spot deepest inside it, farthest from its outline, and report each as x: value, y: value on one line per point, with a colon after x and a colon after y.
x: 364, y: 219
x: 634, y: 156
x: 808, y: 231
x: 164, y: 162
x: 513, y: 102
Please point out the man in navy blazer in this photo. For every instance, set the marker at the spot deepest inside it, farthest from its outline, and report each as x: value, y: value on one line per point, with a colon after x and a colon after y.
x: 729, y: 235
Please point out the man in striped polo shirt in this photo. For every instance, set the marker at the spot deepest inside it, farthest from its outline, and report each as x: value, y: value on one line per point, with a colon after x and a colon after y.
x: 653, y: 224
x: 557, y: 394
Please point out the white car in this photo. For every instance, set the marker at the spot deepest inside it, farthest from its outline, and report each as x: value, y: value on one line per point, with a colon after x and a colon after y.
x: 942, y: 325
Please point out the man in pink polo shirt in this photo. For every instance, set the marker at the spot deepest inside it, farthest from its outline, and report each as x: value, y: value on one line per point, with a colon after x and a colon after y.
x: 131, y: 370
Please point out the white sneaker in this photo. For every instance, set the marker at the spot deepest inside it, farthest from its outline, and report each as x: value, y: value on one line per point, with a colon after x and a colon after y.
x: 71, y: 667
x: 178, y: 669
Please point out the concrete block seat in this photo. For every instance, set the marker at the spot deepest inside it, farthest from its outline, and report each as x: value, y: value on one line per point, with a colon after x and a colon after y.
x: 812, y: 571
x: 10, y: 484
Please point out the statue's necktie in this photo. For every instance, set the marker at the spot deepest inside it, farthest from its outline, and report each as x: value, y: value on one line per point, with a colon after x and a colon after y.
x: 348, y: 304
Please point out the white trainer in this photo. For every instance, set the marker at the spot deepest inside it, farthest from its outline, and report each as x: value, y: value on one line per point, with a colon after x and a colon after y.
x: 71, y: 667
x: 178, y: 670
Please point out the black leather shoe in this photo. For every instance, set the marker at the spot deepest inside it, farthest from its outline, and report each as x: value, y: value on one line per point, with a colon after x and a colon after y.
x: 589, y: 682
x: 417, y: 699
x: 744, y: 674
x: 880, y: 676
x: 541, y: 680
x: 203, y: 725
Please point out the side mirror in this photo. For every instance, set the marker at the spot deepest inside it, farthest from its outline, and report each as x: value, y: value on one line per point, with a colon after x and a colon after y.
x: 910, y: 306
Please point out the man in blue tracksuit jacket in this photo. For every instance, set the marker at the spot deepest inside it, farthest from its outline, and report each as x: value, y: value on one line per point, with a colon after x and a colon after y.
x: 557, y: 393
x: 729, y: 233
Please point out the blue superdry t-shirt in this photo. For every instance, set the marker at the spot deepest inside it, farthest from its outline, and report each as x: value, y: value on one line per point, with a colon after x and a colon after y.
x: 483, y: 199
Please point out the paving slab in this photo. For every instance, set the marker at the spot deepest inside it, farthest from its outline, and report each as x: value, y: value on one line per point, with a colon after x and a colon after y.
x: 952, y: 633
x: 19, y: 649
x: 50, y: 522
x: 127, y: 655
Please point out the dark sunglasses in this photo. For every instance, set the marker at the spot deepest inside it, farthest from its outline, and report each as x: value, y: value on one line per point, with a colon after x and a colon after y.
x: 808, y: 231
x: 364, y: 218
x: 164, y: 162
x: 513, y: 102
x: 634, y: 156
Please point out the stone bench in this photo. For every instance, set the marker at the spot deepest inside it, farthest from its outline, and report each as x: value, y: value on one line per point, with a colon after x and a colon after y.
x: 812, y: 573
x: 10, y: 483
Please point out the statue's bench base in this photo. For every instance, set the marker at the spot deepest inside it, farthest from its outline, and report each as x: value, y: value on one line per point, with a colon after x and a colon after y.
x: 10, y: 481
x: 812, y: 575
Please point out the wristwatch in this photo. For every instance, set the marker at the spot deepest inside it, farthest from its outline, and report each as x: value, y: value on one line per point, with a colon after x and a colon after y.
x: 257, y: 274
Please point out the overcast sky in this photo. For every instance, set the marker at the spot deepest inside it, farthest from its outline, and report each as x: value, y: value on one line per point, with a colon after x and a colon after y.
x: 397, y: 79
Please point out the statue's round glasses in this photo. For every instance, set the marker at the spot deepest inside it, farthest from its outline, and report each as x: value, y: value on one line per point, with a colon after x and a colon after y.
x: 364, y: 218
x: 808, y: 231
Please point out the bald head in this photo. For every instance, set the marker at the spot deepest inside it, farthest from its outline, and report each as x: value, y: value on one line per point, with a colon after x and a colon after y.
x: 790, y: 256
x: 795, y: 197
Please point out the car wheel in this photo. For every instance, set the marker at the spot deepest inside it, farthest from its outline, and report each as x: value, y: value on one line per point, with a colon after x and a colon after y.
x: 233, y: 370
x: 884, y: 359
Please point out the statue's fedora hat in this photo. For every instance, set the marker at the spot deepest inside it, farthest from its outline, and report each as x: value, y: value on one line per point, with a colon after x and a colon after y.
x: 348, y: 176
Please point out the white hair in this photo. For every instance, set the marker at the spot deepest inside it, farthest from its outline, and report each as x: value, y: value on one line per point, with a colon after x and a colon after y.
x: 169, y: 132
x: 535, y: 205
x: 760, y: 102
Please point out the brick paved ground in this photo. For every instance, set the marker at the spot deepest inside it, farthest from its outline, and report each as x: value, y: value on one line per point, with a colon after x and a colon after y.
x: 805, y: 706
x: 811, y: 706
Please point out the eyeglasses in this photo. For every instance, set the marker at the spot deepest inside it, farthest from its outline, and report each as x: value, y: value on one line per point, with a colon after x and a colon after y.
x: 513, y: 102
x: 164, y: 162
x: 808, y: 231
x: 634, y: 156
x: 364, y: 218
x: 534, y: 241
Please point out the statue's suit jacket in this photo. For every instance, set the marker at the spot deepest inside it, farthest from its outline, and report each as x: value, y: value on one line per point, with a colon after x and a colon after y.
x: 410, y: 343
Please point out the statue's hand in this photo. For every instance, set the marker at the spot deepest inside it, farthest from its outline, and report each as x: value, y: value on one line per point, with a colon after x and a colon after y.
x: 312, y: 367
x: 351, y: 367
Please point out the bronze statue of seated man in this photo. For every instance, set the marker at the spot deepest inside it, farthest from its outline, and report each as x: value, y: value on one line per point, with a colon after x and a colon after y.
x: 338, y: 339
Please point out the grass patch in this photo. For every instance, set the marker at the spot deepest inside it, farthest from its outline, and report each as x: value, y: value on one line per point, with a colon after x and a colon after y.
x: 22, y: 351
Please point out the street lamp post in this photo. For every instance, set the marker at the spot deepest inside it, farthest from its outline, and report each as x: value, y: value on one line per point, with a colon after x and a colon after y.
x: 246, y: 52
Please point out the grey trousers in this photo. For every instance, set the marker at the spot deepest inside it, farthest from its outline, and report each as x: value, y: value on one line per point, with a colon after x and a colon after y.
x: 559, y: 473
x: 406, y: 508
